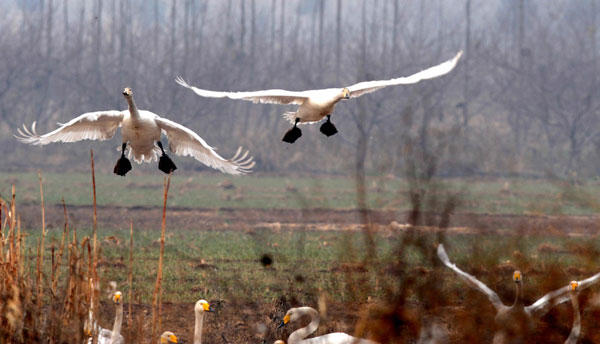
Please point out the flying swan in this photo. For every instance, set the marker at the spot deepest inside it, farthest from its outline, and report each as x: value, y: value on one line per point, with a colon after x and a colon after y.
x: 142, y: 130
x: 297, y: 337
x: 516, y: 319
x: 318, y: 104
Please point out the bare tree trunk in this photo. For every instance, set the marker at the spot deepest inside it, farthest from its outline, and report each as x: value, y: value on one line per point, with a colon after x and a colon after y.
x: 252, y: 37
x: 272, y: 40
x: 243, y: 27
x: 282, y: 32
x: 466, y: 95
x: 66, y: 22
x: 320, y: 52
x: 156, y: 24
x: 49, y: 29
x: 395, y: 34
x: 338, y: 41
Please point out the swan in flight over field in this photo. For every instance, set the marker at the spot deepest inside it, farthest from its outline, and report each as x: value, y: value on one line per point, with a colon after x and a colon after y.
x: 142, y: 130
x: 199, y: 309
x: 167, y: 337
x: 111, y: 337
x: 517, y: 319
x: 318, y: 104
x: 576, y: 329
x: 297, y: 337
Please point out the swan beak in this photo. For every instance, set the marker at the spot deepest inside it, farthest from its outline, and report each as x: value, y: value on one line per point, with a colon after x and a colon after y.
x: 517, y: 276
x: 574, y: 285
x: 117, y: 298
x: 206, y: 307
x: 286, y: 319
x: 173, y: 338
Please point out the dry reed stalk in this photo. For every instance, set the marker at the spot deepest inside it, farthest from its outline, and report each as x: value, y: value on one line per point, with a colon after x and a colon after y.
x: 61, y: 248
x: 130, y: 273
x: 42, y: 248
x: 94, y: 235
x: 157, y: 295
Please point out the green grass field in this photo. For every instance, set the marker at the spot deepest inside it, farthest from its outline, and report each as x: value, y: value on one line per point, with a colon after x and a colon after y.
x: 502, y: 196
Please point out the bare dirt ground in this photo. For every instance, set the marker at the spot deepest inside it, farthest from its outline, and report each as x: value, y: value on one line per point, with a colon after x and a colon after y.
x: 308, y: 219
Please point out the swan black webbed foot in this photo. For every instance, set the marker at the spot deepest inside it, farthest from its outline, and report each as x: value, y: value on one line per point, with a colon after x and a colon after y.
x: 165, y: 163
x: 123, y: 164
x: 293, y: 134
x: 328, y: 128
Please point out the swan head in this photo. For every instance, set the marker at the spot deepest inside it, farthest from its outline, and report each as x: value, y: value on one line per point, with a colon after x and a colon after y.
x: 574, y: 285
x: 202, y: 306
x: 345, y: 93
x: 117, y: 296
x: 168, y: 337
x: 517, y: 276
x: 291, y: 316
x: 127, y: 92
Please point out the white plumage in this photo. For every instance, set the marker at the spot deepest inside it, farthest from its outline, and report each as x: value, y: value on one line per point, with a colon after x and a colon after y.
x: 141, y: 130
x: 316, y: 104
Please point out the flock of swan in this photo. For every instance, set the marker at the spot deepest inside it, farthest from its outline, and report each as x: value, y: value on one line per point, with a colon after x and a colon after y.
x: 513, y: 322
x: 142, y: 130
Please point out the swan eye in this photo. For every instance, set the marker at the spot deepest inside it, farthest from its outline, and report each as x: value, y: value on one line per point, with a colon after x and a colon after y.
x: 286, y: 319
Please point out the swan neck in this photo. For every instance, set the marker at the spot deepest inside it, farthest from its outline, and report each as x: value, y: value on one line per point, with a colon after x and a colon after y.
x: 133, y: 110
x: 518, y: 298
x: 304, y: 332
x: 576, y: 329
x: 117, y: 325
x: 198, y: 328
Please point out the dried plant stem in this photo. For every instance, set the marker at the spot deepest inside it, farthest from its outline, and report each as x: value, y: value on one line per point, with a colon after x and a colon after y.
x: 130, y: 277
x: 157, y: 295
x: 40, y: 280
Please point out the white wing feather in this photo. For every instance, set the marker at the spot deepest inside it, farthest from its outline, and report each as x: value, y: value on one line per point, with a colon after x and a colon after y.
x: 100, y: 125
x: 556, y: 297
x: 183, y: 141
x: 266, y: 96
x: 365, y: 87
x: 470, y: 280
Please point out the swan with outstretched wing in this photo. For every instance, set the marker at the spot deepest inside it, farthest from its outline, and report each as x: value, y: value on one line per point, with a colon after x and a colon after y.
x: 314, y: 105
x: 141, y: 131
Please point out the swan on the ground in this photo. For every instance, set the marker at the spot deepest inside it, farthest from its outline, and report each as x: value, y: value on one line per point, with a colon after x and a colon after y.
x: 167, y: 337
x: 107, y: 336
x: 297, y: 337
x: 199, y: 309
x: 314, y: 105
x: 141, y: 131
x: 576, y: 329
x: 516, y: 320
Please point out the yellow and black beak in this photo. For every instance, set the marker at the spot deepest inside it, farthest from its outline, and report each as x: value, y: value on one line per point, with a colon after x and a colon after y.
x: 206, y: 307
x: 574, y: 285
x: 286, y: 319
x: 517, y: 276
x: 172, y: 338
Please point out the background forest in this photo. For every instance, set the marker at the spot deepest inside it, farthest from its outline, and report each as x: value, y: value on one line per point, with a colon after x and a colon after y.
x: 523, y: 100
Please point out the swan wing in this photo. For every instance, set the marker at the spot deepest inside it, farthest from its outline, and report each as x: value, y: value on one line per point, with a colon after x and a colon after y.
x: 365, y: 87
x: 266, y: 96
x: 336, y: 338
x: 558, y: 296
x: 183, y: 141
x: 100, y: 125
x: 470, y: 280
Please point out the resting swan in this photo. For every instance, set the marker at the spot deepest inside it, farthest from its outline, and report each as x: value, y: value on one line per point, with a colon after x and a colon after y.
x: 112, y: 337
x: 516, y: 320
x: 167, y: 337
x: 318, y: 104
x: 199, y: 309
x: 142, y: 130
x: 297, y: 337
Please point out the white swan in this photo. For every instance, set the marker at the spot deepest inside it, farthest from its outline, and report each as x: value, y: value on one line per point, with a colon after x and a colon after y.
x: 297, y: 337
x: 167, y: 337
x: 576, y: 329
x: 142, y: 130
x: 107, y: 336
x: 199, y: 309
x: 516, y: 320
x: 317, y: 104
